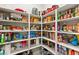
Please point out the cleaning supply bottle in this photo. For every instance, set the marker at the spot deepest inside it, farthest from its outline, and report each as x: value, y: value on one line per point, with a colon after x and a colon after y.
x: 21, y: 36
x: 12, y: 37
x: 16, y: 36
x: 6, y: 37
x: 74, y: 40
x: 2, y: 38
x: 9, y: 36
x: 71, y: 52
x: 23, y: 44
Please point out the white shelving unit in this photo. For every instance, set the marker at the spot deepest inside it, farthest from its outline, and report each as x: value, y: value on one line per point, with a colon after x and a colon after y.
x: 70, y: 46
x: 34, y: 38
x: 63, y: 8
x: 8, y: 22
x: 54, y: 51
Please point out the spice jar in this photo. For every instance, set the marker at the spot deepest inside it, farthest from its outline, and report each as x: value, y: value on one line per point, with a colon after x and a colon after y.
x: 32, y: 19
x: 69, y: 13
x: 36, y: 20
x: 64, y: 28
x: 45, y: 20
x: 61, y: 16
x: 24, y: 18
x: 49, y: 18
x: 77, y: 27
x: 77, y: 11
x: 65, y: 15
x: 59, y: 38
x: 69, y: 27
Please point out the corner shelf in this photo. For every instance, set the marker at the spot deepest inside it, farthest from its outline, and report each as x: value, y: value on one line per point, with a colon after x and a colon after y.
x: 75, y: 48
x: 49, y: 39
x: 69, y: 46
x: 35, y: 46
x: 35, y: 38
x: 19, y: 51
x: 49, y: 49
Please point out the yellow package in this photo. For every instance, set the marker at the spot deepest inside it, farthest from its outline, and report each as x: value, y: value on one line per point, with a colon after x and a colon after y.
x: 77, y: 36
x: 36, y: 20
x: 24, y: 19
x: 49, y: 18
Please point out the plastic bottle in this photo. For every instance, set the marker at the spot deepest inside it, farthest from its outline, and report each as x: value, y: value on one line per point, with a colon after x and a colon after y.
x: 2, y: 38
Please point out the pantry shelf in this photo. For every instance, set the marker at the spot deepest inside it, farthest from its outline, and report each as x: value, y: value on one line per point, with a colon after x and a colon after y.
x: 19, y: 40
x: 48, y: 22
x: 24, y: 49
x: 67, y: 32
x: 34, y: 46
x: 69, y: 19
x: 35, y: 23
x: 14, y: 30
x: 58, y: 53
x: 49, y: 49
x: 19, y: 51
x: 9, y: 21
x: 13, y: 41
x: 35, y: 30
x: 76, y: 48
x: 48, y: 30
x: 4, y: 43
x: 35, y: 38
x: 49, y: 39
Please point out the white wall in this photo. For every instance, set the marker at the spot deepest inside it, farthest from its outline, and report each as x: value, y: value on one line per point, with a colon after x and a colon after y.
x: 27, y: 7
